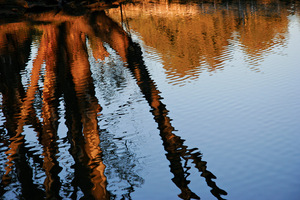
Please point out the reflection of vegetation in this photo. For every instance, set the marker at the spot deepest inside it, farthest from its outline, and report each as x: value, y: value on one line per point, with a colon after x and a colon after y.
x: 109, y: 74
x: 187, y: 36
x: 66, y: 73
x: 63, y: 52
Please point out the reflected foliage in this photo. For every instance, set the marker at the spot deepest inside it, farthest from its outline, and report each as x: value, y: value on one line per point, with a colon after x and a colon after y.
x: 60, y: 70
x: 196, y: 37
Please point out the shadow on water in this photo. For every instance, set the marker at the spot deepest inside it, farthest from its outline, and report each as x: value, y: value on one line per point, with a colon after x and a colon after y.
x: 60, y: 73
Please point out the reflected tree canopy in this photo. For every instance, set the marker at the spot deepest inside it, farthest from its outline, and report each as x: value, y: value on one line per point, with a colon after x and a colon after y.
x: 196, y: 37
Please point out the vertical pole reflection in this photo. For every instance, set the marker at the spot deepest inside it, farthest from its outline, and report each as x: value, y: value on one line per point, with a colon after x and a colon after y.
x: 173, y: 144
x: 16, y: 107
x: 82, y: 109
x: 48, y: 136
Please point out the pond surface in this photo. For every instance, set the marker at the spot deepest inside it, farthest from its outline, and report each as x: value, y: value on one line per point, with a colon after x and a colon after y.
x: 152, y: 100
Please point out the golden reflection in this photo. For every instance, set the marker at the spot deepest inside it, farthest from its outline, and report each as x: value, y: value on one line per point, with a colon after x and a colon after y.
x: 48, y: 135
x: 26, y: 107
x: 63, y: 52
x: 192, y: 38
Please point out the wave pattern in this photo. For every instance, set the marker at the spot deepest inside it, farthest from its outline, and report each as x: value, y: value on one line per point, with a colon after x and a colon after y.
x: 95, y: 103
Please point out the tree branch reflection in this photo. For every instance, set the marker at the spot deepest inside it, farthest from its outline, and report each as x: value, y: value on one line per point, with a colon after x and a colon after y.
x: 173, y: 144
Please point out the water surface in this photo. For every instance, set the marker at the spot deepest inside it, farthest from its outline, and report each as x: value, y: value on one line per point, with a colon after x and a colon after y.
x: 152, y: 100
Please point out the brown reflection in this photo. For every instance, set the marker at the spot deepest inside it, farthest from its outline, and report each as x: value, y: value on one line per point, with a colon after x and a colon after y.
x: 15, y: 43
x: 82, y: 111
x: 48, y: 136
x: 195, y: 37
x: 63, y: 53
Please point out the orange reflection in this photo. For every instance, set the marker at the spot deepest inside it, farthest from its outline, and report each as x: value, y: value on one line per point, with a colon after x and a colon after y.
x: 13, y: 59
x: 87, y: 105
x: 73, y: 53
x: 194, y: 37
x: 173, y: 144
x: 48, y: 135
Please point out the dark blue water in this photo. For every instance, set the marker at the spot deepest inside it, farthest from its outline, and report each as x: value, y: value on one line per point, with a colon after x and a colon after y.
x: 152, y: 100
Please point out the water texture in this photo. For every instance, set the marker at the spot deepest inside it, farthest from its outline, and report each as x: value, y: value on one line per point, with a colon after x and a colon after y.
x: 152, y: 100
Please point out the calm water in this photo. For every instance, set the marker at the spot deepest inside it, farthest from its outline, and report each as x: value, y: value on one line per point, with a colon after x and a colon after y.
x: 152, y: 100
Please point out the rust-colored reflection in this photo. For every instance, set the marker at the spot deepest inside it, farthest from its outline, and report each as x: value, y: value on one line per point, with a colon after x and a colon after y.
x: 194, y: 37
x: 82, y: 110
x: 48, y: 135
x: 14, y: 53
x: 63, y: 53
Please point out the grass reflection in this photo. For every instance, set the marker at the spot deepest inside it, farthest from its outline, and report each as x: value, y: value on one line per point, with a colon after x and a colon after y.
x: 197, y: 37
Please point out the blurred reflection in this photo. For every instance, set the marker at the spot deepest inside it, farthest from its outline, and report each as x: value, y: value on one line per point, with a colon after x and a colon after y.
x: 82, y: 109
x: 63, y: 51
x: 61, y: 72
x: 15, y: 43
x: 196, y: 37
x: 50, y: 114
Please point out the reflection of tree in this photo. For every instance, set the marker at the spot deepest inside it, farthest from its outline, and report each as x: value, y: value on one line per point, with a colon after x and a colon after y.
x: 81, y: 114
x: 121, y: 163
x: 173, y: 144
x: 63, y: 52
x: 13, y: 106
x: 194, y: 37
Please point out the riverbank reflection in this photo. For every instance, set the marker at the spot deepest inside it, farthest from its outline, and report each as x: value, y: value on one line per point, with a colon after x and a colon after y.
x: 198, y: 37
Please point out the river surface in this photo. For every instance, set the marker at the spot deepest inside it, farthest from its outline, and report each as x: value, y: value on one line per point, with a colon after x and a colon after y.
x: 152, y: 100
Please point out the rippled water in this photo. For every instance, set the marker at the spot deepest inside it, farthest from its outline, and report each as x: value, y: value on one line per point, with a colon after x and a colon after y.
x: 152, y: 100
